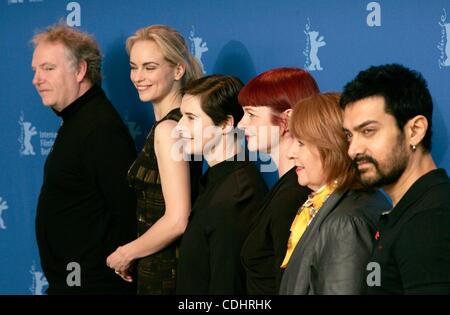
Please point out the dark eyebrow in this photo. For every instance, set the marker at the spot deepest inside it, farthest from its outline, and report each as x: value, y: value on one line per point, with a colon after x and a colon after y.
x: 365, y: 124
x: 190, y: 114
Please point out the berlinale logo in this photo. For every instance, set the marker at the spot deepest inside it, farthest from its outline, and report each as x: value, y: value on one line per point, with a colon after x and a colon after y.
x: 134, y: 128
x: 38, y: 281
x: 313, y: 43
x: 198, y: 47
x: 27, y: 131
x: 444, y: 44
x: 3, y: 207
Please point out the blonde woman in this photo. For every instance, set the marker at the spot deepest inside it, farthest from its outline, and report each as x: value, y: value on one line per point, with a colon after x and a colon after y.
x: 161, y: 65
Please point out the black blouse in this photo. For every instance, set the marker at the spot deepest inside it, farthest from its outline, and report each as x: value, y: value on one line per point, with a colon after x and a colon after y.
x: 230, y: 197
x: 265, y: 247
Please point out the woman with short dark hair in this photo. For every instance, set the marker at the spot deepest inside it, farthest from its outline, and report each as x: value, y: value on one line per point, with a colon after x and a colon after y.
x: 230, y: 190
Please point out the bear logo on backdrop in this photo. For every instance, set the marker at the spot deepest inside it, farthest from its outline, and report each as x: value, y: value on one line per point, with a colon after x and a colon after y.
x: 134, y: 128
x: 38, y: 281
x: 3, y: 207
x: 313, y: 43
x: 198, y: 47
x: 27, y: 131
x: 444, y: 44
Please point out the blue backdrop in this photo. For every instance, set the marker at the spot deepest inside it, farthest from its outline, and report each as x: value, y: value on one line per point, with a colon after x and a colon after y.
x: 333, y: 39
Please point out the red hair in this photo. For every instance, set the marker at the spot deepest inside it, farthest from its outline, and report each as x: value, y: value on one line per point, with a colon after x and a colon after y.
x: 318, y: 119
x: 279, y: 89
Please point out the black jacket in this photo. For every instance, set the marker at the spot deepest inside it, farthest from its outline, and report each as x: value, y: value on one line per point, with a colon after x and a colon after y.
x: 332, y: 255
x: 265, y: 247
x: 86, y: 208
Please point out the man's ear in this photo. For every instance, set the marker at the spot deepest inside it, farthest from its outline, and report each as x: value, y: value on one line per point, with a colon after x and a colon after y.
x: 81, y: 70
x: 415, y: 129
x: 180, y: 69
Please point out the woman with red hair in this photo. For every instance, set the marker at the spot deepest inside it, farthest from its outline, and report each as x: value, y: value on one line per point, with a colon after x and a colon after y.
x: 268, y: 100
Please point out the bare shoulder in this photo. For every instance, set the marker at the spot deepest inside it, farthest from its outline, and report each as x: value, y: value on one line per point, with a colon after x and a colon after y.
x: 165, y: 131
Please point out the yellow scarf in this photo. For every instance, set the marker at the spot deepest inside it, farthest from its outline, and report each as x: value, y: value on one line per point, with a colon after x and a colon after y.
x: 304, y: 216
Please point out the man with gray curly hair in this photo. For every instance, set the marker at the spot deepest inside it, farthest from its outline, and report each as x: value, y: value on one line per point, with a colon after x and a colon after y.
x: 85, y: 208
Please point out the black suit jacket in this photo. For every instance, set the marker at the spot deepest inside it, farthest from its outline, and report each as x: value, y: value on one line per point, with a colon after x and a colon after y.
x: 332, y: 255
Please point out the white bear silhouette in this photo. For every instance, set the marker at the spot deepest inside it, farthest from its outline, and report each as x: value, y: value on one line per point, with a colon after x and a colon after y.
x: 134, y: 128
x: 199, y: 48
x: 315, y: 43
x: 38, y: 281
x: 3, y: 207
x: 29, y: 131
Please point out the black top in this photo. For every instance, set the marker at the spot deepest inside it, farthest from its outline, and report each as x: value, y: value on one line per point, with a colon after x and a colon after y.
x: 413, y: 247
x: 230, y: 197
x: 265, y: 247
x: 86, y: 209
x: 156, y: 273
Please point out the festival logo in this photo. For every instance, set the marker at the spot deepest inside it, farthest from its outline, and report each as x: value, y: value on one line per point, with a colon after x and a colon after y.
x: 313, y: 43
x: 198, y: 47
x: 27, y: 131
x: 444, y: 44
x: 38, y: 281
x: 3, y: 207
x: 134, y: 128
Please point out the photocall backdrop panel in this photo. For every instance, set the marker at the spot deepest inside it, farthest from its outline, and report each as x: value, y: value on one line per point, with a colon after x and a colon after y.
x: 333, y: 39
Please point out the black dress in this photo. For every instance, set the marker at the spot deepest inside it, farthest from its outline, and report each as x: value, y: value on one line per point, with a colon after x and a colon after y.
x: 230, y: 197
x: 265, y: 247
x: 155, y: 273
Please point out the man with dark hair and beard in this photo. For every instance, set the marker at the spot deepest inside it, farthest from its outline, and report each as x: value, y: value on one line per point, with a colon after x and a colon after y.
x: 387, y: 119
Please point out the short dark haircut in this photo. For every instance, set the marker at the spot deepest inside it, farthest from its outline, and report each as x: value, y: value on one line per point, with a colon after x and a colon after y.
x: 219, y: 97
x: 405, y: 93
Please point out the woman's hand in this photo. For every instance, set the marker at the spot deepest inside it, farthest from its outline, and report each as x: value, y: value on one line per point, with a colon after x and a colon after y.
x: 120, y: 261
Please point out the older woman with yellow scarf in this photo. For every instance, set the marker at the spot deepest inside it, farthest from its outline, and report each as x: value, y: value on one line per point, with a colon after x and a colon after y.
x: 332, y: 234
